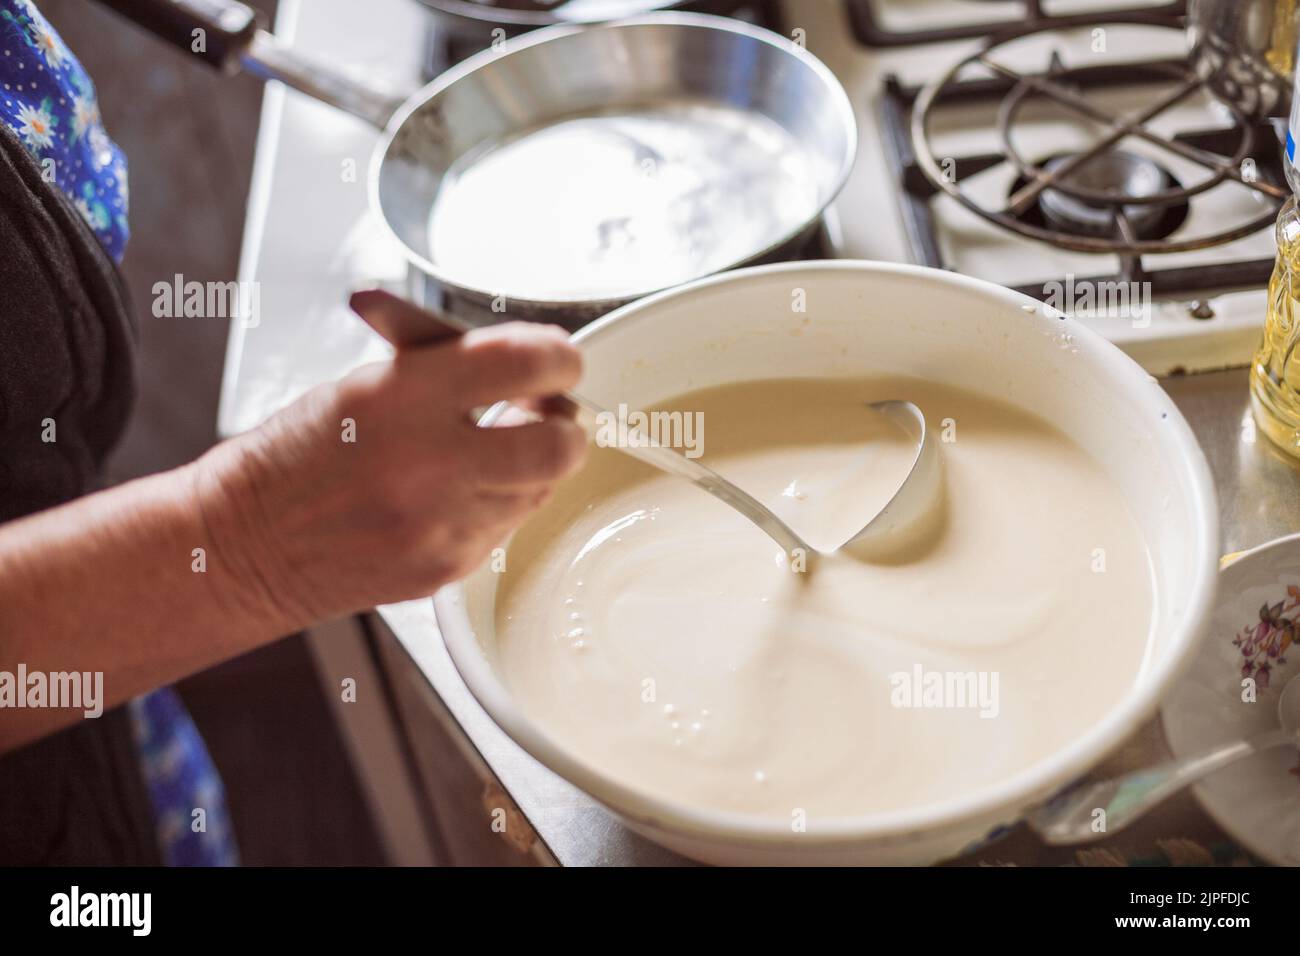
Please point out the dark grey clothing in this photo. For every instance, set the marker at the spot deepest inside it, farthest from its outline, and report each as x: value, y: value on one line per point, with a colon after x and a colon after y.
x: 66, y: 356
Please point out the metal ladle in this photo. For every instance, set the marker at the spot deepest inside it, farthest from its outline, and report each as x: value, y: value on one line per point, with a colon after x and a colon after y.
x: 1069, y: 818
x: 407, y: 327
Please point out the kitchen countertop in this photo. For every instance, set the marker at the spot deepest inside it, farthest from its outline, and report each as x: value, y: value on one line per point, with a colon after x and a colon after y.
x: 310, y: 239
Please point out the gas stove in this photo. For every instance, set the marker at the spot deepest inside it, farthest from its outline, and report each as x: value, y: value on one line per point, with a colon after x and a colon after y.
x: 1059, y: 147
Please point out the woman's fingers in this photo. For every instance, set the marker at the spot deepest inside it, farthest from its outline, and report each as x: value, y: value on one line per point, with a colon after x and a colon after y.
x: 525, y: 410
x: 550, y: 405
x: 508, y: 508
x: 533, y: 454
x: 521, y: 361
x: 514, y: 361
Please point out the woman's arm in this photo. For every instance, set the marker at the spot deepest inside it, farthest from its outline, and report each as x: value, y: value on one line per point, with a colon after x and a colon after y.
x: 108, y: 583
x: 375, y: 489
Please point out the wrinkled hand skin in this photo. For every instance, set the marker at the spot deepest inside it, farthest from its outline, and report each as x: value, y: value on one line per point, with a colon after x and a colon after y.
x: 325, y: 526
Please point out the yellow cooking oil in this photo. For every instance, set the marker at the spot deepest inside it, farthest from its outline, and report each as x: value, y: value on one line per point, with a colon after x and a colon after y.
x: 1275, y: 373
x: 1282, y: 48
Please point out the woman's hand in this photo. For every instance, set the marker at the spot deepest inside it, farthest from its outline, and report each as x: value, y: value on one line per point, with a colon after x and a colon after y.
x: 379, y: 487
x: 376, y: 488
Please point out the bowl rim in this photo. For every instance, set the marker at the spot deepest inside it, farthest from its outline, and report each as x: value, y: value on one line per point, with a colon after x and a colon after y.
x: 1010, y: 797
x: 832, y: 89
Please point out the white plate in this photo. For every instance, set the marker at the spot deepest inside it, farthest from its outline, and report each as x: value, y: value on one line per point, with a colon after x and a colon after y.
x: 1257, y: 801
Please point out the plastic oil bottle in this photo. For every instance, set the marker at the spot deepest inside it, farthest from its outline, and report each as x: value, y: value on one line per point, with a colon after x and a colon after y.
x: 1275, y: 372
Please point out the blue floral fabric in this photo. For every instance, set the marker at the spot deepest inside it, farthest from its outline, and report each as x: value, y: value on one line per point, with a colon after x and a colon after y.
x: 189, y: 802
x: 48, y: 100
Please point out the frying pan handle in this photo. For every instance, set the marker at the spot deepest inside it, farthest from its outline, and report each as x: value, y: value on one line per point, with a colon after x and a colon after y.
x: 228, y: 35
x: 217, y: 31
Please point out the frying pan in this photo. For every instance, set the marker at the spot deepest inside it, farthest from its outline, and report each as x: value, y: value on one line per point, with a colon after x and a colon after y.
x: 578, y: 167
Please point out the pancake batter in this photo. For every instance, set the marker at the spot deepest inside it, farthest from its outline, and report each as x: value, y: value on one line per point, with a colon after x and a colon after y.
x: 659, y: 636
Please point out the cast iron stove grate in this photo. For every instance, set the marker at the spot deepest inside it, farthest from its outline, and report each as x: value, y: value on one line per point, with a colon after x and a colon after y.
x: 1245, y: 153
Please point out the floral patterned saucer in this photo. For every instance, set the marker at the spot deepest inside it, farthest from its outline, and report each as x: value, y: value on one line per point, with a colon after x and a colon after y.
x: 1231, y: 691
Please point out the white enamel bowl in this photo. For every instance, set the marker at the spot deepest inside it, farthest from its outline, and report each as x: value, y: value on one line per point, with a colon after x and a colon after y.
x: 866, y: 318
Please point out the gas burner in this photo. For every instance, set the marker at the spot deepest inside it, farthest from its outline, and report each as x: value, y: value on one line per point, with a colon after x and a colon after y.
x: 1102, y: 198
x: 1126, y: 180
x: 869, y: 16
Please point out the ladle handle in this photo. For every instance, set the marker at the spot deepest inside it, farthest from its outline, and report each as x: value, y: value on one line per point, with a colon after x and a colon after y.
x: 228, y: 35
x: 1073, y: 817
x: 408, y: 328
x: 415, y: 328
